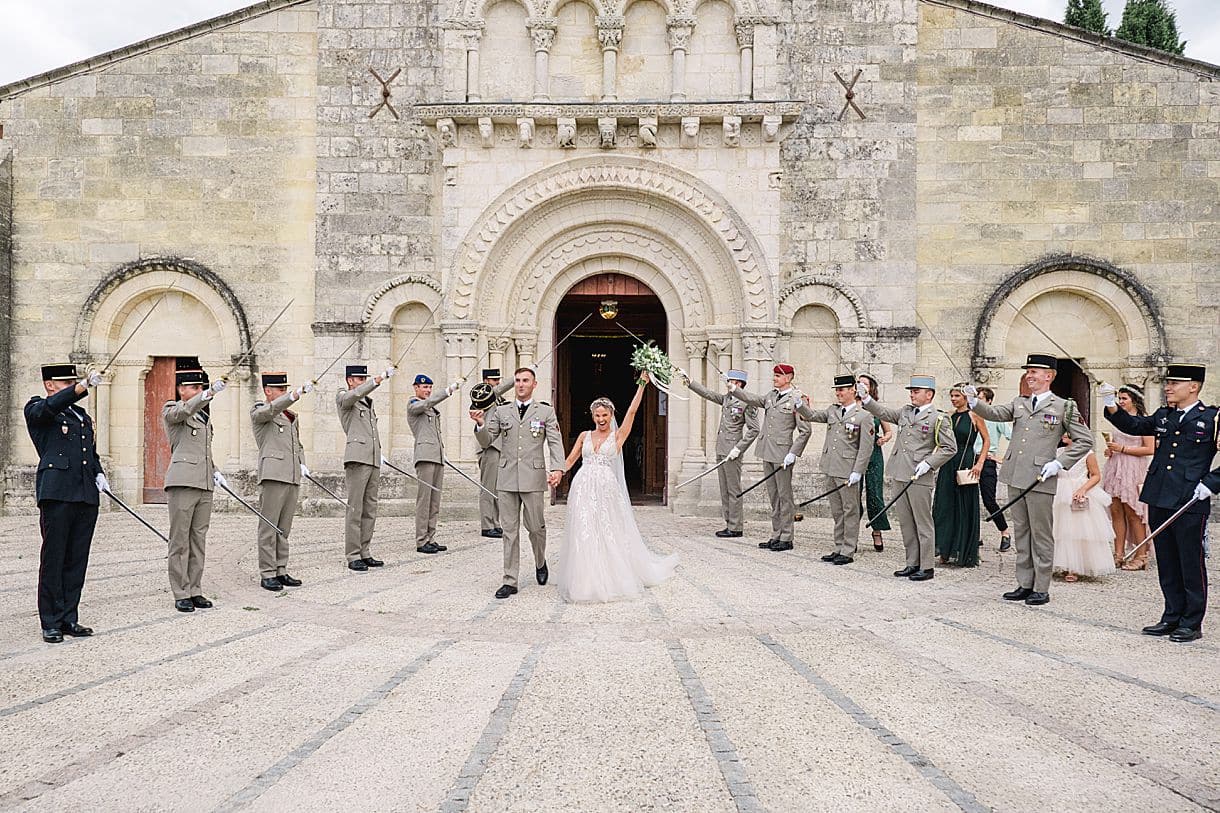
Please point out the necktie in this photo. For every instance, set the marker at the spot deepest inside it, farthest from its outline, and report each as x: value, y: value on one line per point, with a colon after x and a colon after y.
x: 521, y: 410
x: 842, y: 411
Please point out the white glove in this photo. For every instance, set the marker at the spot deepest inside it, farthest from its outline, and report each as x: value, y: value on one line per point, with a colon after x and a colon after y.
x: 389, y: 372
x: 734, y: 453
x: 307, y: 387
x: 454, y: 387
x: 103, y: 485
x: 1051, y: 469
x: 853, y: 478
x: 1202, y: 492
x: 922, y: 468
x: 685, y: 375
x: 1109, y: 395
x: 220, y: 480
x: 384, y: 462
x: 972, y: 395
x: 789, y: 459
x: 862, y: 391
x: 304, y: 470
x: 218, y: 386
x: 92, y: 380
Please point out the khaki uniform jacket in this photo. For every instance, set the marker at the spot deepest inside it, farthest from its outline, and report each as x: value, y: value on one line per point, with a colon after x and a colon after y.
x: 779, y: 422
x: 1035, y: 438
x: 425, y: 422
x: 849, y: 441
x: 190, y: 443
x: 918, y: 436
x: 280, y: 453
x: 522, y: 467
x: 500, y: 389
x: 359, y: 421
x: 739, y: 423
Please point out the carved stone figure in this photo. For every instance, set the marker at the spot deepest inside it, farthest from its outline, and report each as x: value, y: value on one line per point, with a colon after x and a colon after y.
x: 487, y: 133
x: 648, y: 132
x: 567, y: 133
x: 732, y: 131
x: 525, y: 133
x: 689, y: 137
x: 607, y: 131
x: 447, y: 131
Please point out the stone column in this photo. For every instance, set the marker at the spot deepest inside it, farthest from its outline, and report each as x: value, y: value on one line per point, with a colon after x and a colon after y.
x: 744, y: 29
x: 719, y: 360
x: 527, y: 347
x: 101, y: 411
x: 610, y: 34
x: 679, y: 29
x: 694, y: 459
x: 470, y: 39
x: 461, y: 340
x: 542, y: 31
x: 496, y: 347
x: 238, y: 407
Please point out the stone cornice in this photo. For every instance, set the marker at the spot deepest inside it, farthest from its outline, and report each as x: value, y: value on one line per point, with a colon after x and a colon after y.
x: 666, y: 112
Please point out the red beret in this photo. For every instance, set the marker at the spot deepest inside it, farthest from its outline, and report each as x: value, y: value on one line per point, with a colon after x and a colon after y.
x: 784, y: 369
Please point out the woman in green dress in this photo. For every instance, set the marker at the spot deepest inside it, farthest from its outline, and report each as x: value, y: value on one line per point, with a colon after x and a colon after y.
x: 955, y: 509
x: 874, y: 475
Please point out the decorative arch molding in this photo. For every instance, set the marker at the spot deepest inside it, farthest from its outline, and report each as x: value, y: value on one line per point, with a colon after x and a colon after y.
x: 582, y: 269
x: 827, y: 292
x: 1113, y: 288
x: 466, y: 11
x: 648, y: 185
x: 399, y: 291
x: 128, y: 285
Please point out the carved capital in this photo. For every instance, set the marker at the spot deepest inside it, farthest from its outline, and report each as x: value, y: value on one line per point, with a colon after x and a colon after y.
x: 770, y: 127
x: 721, y: 346
x: 487, y: 133
x: 566, y: 133
x: 695, y: 348
x: 542, y: 31
x: 688, y: 137
x: 679, y: 29
x: 470, y: 38
x: 610, y: 31
x: 498, y: 344
x: 526, y: 345
x: 759, y: 346
x: 607, y: 132
x: 745, y: 33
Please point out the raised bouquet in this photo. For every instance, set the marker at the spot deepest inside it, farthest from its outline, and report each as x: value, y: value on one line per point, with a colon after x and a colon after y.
x: 651, y: 359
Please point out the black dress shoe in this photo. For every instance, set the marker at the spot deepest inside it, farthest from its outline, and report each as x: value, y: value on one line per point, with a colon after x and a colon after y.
x: 906, y: 571
x: 357, y: 564
x: 727, y: 534
x: 493, y: 533
x: 830, y: 557
x: 184, y: 605
x: 1037, y: 598
x: 505, y: 591
x: 273, y: 584
x: 1184, y: 634
x: 75, y: 630
x: 288, y: 581
x: 201, y: 602
x: 781, y: 546
x: 428, y: 547
x: 371, y: 562
x: 922, y: 575
x: 53, y: 636
x: 768, y: 543
x: 842, y: 560
x: 1005, y: 544
x: 440, y: 547
x: 1020, y: 594
x: 1160, y: 628
x: 542, y: 574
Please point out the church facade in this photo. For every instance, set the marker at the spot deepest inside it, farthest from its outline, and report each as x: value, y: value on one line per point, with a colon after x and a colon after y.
x: 895, y: 186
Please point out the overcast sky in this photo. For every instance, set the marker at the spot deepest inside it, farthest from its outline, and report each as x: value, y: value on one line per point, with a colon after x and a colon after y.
x: 38, y: 35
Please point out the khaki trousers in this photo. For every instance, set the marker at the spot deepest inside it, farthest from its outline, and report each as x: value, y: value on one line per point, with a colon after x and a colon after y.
x: 845, y: 508
x: 514, y: 504
x: 779, y: 489
x: 489, y: 511
x: 278, y: 503
x: 914, y: 512
x: 1033, y: 534
x: 190, y: 514
x: 730, y: 487
x: 427, y: 501
x: 363, y: 482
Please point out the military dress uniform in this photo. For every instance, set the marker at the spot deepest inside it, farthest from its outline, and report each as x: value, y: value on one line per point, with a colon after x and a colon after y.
x: 527, y: 428
x: 782, y: 434
x: 1186, y: 442
x: 489, y: 458
x: 921, y: 434
x: 739, y: 427
x: 67, y: 490
x: 188, y: 486
x: 850, y: 438
x: 361, y: 467
x: 1037, y: 427
x: 280, y: 457
x: 425, y: 422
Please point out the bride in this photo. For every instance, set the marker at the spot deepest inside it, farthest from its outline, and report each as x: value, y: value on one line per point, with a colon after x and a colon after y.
x: 604, y: 557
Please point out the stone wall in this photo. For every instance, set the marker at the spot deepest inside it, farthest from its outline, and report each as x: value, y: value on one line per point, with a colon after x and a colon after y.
x: 6, y: 303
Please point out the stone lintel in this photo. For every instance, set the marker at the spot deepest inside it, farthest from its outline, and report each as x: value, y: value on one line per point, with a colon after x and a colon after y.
x: 590, y: 112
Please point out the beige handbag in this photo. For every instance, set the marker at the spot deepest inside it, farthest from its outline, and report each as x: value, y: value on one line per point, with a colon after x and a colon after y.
x: 967, y: 477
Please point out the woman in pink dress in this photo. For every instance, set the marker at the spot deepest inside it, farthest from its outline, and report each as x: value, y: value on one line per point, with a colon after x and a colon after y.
x: 1127, y: 458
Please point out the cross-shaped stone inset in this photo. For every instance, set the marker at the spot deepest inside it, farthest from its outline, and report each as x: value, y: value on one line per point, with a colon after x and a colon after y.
x: 850, y: 94
x: 385, y: 93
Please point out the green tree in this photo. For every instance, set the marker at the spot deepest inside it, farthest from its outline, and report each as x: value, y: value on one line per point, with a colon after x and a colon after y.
x: 1152, y: 23
x: 1087, y: 14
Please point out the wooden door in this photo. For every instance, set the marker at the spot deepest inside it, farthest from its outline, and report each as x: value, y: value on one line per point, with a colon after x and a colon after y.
x: 158, y: 388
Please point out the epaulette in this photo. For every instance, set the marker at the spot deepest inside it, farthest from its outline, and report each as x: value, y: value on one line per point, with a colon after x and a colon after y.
x: 413, y: 399
x: 544, y: 403
x: 33, y: 398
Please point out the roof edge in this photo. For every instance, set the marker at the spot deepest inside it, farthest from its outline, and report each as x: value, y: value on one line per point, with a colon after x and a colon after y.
x: 1142, y: 52
x: 145, y: 46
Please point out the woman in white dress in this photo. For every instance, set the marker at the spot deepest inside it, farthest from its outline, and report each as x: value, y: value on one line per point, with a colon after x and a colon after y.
x: 1084, y: 535
x: 604, y: 558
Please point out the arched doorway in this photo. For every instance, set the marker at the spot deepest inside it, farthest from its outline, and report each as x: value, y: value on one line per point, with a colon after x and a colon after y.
x: 595, y: 361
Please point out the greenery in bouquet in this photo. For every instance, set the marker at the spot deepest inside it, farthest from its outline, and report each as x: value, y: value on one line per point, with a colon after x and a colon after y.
x: 651, y: 359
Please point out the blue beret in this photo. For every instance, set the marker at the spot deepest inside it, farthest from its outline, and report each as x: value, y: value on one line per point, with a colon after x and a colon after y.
x: 422, y: 379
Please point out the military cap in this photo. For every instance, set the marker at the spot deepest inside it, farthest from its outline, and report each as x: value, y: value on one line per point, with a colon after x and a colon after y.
x: 357, y: 371
x: 924, y: 382
x: 59, y: 372
x: 1042, y: 361
x: 482, y: 396
x: 184, y: 377
x: 493, y: 372
x: 275, y: 379
x: 784, y: 369
x: 422, y: 379
x: 845, y: 381
x: 737, y: 375
x: 1186, y: 372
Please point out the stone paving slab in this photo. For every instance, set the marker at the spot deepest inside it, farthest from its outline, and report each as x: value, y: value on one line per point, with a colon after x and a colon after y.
x: 751, y: 681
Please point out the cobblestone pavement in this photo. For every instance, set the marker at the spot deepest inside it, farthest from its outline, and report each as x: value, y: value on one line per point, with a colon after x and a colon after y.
x: 751, y: 681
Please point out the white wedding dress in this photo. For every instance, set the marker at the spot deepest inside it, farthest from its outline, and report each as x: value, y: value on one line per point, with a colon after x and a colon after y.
x: 604, y: 558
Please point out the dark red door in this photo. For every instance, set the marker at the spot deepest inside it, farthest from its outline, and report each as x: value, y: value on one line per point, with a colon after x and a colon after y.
x: 158, y: 388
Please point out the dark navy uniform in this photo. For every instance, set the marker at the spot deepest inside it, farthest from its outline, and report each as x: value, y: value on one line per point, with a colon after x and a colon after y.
x: 67, y: 494
x: 1185, y: 445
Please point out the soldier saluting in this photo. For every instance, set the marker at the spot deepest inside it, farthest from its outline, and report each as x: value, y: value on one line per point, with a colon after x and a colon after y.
x: 425, y: 422
x: 1186, y: 440
x: 281, y: 463
x: 361, y: 463
x: 67, y: 488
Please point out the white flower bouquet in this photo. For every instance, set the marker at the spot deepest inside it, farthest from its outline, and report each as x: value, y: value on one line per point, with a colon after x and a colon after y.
x: 651, y: 359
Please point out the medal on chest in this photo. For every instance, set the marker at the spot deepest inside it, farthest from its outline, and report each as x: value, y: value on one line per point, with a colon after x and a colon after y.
x: 1049, y: 422
x: 536, y: 427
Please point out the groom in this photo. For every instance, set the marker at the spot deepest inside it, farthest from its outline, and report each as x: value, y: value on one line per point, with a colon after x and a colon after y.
x: 526, y: 425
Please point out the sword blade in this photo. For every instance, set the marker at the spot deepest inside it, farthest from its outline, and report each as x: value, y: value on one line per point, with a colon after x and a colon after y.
x: 254, y: 344
x: 1012, y: 502
x: 472, y: 481
x: 703, y: 473
x: 136, y: 329
x: 887, y: 506
x: 408, y: 474
x: 131, y: 511
x: 1058, y: 346
x: 327, y: 490
x: 1172, y: 519
x: 943, y: 351
x: 760, y: 482
x: 318, y: 377
x: 555, y: 346
x: 252, y: 509
x: 821, y: 496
